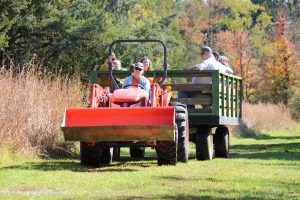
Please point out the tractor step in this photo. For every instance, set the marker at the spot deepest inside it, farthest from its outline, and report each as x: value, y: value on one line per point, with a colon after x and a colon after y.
x: 119, y: 124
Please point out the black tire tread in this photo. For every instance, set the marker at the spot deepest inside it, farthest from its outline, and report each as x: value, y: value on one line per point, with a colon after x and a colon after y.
x: 221, y: 141
x: 107, y: 155
x: 204, y: 144
x: 116, y: 153
x: 137, y: 152
x: 90, y: 155
x: 183, y: 134
x: 167, y: 152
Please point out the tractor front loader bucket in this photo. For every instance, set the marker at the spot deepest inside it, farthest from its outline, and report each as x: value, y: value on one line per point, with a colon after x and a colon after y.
x: 119, y: 124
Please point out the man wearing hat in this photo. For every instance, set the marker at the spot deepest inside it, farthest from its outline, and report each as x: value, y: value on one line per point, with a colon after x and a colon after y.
x: 209, y: 63
x: 137, y: 78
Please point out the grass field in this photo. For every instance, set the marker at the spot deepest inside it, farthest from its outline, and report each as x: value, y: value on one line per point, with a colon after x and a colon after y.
x: 266, y: 166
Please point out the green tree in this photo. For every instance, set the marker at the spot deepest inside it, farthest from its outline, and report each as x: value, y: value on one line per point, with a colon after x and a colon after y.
x: 74, y: 35
x: 9, y: 13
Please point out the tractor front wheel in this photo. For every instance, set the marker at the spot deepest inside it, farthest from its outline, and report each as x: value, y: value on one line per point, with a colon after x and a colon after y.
x: 166, y: 151
x: 90, y: 154
x: 182, y: 123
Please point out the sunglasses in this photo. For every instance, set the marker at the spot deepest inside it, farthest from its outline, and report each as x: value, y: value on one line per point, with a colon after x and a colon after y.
x: 137, y: 68
x: 202, y: 53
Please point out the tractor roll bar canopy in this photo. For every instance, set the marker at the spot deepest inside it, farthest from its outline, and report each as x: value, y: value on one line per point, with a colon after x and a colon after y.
x: 165, y: 65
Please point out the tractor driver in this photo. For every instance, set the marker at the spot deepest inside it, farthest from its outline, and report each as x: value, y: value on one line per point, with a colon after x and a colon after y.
x: 137, y: 79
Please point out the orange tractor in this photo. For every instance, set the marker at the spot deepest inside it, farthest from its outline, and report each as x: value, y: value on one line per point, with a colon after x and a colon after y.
x: 128, y: 117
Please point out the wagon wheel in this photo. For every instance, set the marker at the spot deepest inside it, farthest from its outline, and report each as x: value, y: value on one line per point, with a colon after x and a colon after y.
x: 221, y: 141
x: 204, y: 143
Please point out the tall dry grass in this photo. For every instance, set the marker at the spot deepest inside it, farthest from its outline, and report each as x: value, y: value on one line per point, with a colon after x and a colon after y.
x: 265, y: 117
x: 32, y: 104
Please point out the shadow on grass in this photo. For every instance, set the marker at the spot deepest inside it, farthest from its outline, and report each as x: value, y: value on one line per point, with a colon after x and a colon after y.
x: 127, y: 161
x: 177, y: 178
x: 261, y: 136
x: 218, y: 194
x: 280, y: 151
x: 289, y: 151
x: 196, y: 197
x: 125, y: 164
x: 179, y: 197
x: 207, y: 192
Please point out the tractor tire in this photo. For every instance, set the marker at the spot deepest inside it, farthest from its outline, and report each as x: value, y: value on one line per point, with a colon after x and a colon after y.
x: 137, y: 152
x: 221, y: 141
x: 183, y: 131
x: 107, y: 155
x: 204, y: 143
x: 116, y: 153
x: 90, y: 155
x: 166, y: 151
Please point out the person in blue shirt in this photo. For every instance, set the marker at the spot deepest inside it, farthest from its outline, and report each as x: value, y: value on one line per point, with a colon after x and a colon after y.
x: 137, y: 79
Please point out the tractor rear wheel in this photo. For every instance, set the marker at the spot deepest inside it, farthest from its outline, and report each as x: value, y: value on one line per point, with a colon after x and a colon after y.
x: 183, y: 131
x: 204, y: 143
x: 166, y: 151
x: 221, y: 141
x: 137, y: 152
x: 90, y: 154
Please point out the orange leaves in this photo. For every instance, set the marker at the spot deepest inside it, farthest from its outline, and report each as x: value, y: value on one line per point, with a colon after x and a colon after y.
x: 224, y: 41
x: 236, y: 47
x: 194, y: 21
x: 278, y: 65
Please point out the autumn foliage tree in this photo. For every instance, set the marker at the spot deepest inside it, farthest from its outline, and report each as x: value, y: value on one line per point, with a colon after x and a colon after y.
x: 276, y: 82
x: 194, y: 21
x: 234, y: 39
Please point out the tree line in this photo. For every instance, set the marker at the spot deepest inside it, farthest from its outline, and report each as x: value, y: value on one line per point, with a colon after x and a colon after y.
x: 260, y: 37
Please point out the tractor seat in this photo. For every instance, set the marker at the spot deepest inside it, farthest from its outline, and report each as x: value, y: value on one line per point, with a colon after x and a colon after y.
x: 128, y: 95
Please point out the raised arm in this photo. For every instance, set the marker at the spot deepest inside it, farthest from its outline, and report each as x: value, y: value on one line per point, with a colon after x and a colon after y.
x: 201, y: 66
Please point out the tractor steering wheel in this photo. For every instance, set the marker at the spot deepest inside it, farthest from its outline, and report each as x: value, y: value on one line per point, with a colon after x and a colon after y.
x: 139, y: 86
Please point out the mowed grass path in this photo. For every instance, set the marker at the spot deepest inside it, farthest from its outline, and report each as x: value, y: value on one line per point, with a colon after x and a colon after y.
x: 262, y: 167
